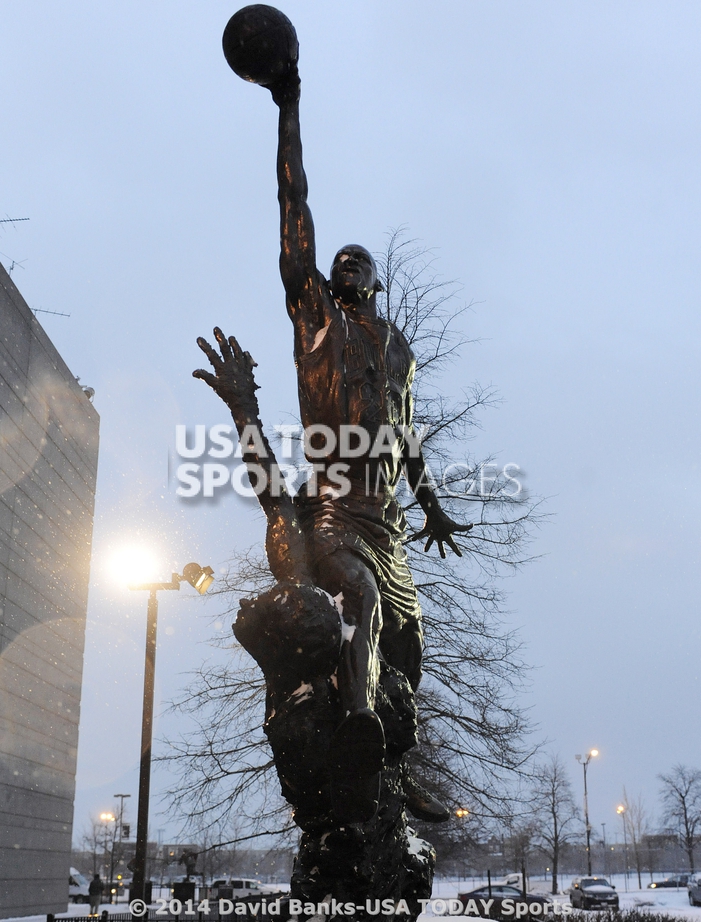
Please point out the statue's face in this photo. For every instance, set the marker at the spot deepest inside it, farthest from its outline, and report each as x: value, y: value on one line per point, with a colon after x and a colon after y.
x: 353, y: 275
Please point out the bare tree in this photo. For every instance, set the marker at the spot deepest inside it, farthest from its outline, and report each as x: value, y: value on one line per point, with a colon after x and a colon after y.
x: 681, y: 802
x: 554, y: 811
x: 472, y: 730
x: 99, y: 841
x: 93, y: 842
x: 635, y: 820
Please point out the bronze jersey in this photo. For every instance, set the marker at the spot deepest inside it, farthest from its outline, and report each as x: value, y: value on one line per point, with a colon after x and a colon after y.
x: 359, y: 373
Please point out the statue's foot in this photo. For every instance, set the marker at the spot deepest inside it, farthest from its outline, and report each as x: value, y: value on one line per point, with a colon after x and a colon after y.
x: 356, y: 756
x: 420, y: 802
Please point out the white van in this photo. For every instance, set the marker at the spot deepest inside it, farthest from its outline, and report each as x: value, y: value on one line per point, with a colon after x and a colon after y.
x: 237, y: 888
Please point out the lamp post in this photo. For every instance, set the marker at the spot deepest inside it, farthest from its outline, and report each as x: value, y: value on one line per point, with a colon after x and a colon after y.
x: 121, y: 797
x: 200, y: 578
x: 606, y: 855
x: 462, y: 813
x: 585, y: 762
x: 621, y: 811
x: 109, y: 818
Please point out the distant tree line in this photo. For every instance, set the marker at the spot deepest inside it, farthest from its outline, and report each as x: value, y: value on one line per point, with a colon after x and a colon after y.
x: 546, y: 838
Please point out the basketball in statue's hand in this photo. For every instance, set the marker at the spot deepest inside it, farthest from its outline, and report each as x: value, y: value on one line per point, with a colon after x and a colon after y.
x: 260, y: 44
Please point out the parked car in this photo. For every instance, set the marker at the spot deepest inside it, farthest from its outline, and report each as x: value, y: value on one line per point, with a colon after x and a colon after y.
x: 677, y: 880
x: 77, y: 887
x: 239, y: 888
x: 501, y: 894
x: 593, y: 893
x: 694, y: 888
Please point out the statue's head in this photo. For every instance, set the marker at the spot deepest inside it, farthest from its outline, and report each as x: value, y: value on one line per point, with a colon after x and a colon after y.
x: 354, y: 278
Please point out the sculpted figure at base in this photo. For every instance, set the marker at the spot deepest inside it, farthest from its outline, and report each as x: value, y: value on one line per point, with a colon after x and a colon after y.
x: 339, y: 639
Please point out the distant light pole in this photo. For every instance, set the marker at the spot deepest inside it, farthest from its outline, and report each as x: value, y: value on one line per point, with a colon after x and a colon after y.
x: 606, y: 856
x: 584, y: 762
x: 109, y: 818
x: 121, y: 828
x: 621, y: 811
x: 200, y: 578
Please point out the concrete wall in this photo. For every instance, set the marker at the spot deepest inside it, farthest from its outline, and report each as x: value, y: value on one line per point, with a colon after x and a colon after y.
x: 48, y: 467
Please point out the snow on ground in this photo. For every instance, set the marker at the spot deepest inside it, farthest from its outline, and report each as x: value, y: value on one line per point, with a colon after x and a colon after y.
x: 671, y: 902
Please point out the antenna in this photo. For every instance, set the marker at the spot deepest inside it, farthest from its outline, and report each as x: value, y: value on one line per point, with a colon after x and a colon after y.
x: 15, y: 263
x: 39, y: 310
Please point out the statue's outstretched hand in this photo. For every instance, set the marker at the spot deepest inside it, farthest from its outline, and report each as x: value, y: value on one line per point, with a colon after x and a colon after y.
x: 440, y: 528
x: 233, y: 371
x: 287, y: 89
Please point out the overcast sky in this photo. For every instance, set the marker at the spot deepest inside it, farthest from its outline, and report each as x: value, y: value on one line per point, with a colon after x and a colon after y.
x: 548, y: 151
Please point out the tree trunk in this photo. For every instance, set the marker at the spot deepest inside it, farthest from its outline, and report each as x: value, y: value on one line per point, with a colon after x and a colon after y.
x: 690, y: 852
x: 638, y: 867
x: 688, y: 840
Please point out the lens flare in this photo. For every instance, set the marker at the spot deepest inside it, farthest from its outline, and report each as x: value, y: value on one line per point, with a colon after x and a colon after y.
x: 133, y: 563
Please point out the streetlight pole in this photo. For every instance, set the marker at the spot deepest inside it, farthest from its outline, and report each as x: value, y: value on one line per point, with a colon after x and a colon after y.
x: 606, y: 854
x: 621, y: 811
x: 201, y: 579
x: 106, y: 819
x: 585, y: 762
x: 121, y: 828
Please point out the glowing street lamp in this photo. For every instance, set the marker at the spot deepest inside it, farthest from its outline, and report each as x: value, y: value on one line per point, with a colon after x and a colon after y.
x: 592, y: 754
x: 461, y: 813
x: 200, y: 578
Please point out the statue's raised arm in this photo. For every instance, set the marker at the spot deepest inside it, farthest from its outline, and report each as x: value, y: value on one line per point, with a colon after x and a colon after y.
x: 308, y: 299
x: 260, y: 45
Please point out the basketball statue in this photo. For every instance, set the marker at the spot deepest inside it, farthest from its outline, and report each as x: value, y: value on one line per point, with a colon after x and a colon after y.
x: 339, y: 638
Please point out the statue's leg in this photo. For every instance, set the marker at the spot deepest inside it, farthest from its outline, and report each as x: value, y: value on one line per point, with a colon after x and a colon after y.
x: 351, y: 582
x: 358, y: 746
x: 403, y: 650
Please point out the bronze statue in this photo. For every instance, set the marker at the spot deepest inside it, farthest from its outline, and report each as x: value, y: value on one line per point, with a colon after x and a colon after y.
x: 354, y: 369
x: 340, y: 707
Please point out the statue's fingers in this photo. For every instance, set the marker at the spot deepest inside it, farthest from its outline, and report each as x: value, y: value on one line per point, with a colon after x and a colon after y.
x: 251, y: 361
x: 224, y: 346
x: 205, y: 376
x: 236, y: 348
x: 464, y: 527
x: 441, y: 549
x: 428, y: 544
x: 453, y: 546
x: 214, y: 359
